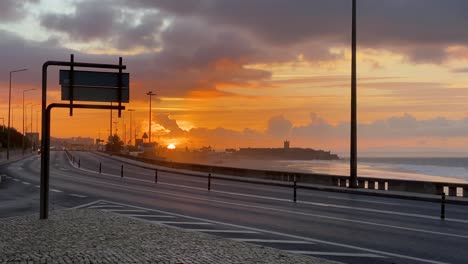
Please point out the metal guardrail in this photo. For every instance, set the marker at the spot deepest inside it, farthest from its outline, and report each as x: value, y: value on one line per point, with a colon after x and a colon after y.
x: 286, y: 179
x: 382, y: 184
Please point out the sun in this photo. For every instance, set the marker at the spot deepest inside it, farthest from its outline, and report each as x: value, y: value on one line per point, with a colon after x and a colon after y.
x: 171, y: 146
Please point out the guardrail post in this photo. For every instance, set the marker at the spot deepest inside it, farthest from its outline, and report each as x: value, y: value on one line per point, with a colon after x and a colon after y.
x: 209, y: 181
x: 361, y: 184
x: 452, y: 191
x: 442, y: 207
x: 100, y: 167
x: 371, y: 185
x: 79, y: 163
x: 465, y: 192
x: 121, y: 171
x: 156, y: 176
x: 381, y: 185
x: 295, y: 189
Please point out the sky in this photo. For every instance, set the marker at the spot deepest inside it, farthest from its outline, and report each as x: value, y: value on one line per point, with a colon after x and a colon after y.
x: 233, y: 74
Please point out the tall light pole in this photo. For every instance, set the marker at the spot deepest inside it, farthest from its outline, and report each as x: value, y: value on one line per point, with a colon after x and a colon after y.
x: 9, y: 116
x: 353, y: 150
x: 33, y: 142
x: 24, y: 133
x: 151, y: 94
x: 131, y: 115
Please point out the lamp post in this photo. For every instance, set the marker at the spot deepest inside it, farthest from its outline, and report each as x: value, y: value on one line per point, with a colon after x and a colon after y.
x: 151, y: 94
x: 131, y: 115
x: 353, y: 150
x: 9, y: 116
x: 24, y: 133
x: 33, y: 141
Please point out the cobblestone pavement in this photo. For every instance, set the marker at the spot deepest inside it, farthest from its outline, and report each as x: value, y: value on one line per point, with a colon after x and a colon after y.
x: 91, y: 236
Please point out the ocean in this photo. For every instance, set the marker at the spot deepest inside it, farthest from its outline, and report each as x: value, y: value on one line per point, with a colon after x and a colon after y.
x: 423, y: 169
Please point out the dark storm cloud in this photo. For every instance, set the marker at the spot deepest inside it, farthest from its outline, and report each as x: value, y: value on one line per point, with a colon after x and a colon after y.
x: 12, y: 10
x: 105, y: 21
x: 421, y: 29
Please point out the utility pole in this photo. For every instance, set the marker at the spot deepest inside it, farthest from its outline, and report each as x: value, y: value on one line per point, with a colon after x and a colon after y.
x: 24, y: 132
x: 353, y: 154
x: 131, y: 120
x: 9, y: 113
x: 151, y: 94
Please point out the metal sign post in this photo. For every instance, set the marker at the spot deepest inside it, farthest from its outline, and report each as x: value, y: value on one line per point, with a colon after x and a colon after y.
x: 75, y: 92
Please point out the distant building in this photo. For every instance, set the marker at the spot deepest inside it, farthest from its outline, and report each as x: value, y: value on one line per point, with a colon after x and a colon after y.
x: 285, y: 153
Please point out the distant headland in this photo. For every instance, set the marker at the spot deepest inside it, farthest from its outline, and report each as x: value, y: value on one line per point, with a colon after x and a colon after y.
x: 285, y: 153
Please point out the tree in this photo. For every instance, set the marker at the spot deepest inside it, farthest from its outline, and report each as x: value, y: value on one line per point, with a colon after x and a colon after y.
x: 115, y: 144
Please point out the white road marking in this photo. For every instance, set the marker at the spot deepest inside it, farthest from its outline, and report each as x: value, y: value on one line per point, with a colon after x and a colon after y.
x: 222, y: 231
x: 55, y: 190
x: 63, y: 169
x: 77, y: 195
x: 361, y: 200
x: 26, y: 183
x: 280, y: 210
x: 253, y: 240
x: 84, y: 205
x: 300, y: 202
x: 105, y: 206
x: 288, y: 235
x: 181, y: 223
x: 16, y: 180
x: 125, y: 210
x: 156, y: 216
x: 335, y: 254
x: 37, y: 186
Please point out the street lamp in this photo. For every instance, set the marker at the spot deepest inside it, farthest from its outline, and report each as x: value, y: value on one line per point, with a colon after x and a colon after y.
x: 9, y: 113
x: 353, y: 149
x: 150, y: 93
x: 33, y: 140
x: 24, y: 134
x: 131, y: 115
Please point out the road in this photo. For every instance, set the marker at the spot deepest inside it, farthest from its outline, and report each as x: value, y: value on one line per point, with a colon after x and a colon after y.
x: 345, y: 227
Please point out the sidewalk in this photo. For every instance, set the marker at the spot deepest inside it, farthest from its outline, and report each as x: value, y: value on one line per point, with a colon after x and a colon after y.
x: 91, y: 236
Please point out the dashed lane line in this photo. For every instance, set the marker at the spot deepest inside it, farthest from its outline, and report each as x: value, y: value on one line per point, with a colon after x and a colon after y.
x: 26, y: 183
x: 222, y: 231
x: 335, y: 254
x: 125, y: 210
x: 296, y: 237
x: 150, y: 216
x: 180, y: 223
x: 16, y: 180
x: 56, y: 191
x: 276, y: 209
x: 77, y: 195
x: 279, y: 241
x: 300, y: 202
x: 105, y: 206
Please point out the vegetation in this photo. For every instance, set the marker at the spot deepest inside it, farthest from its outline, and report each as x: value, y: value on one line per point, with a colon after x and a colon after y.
x: 16, y: 139
x: 115, y: 144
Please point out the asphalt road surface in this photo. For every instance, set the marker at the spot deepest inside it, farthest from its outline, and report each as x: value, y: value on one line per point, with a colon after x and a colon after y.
x: 346, y: 227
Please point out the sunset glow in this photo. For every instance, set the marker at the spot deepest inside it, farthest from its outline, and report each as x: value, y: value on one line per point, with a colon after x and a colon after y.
x: 227, y: 81
x: 171, y: 146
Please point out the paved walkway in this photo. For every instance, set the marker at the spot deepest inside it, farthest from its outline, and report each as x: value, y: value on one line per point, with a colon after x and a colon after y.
x: 91, y: 236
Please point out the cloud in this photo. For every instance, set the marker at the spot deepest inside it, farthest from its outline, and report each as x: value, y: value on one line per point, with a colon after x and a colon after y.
x: 420, y: 29
x: 320, y: 134
x: 14, y: 10
x: 104, y: 21
x: 279, y: 127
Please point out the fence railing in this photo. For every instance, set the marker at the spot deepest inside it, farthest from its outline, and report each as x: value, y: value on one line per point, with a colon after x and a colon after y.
x: 289, y: 179
x: 383, y: 184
